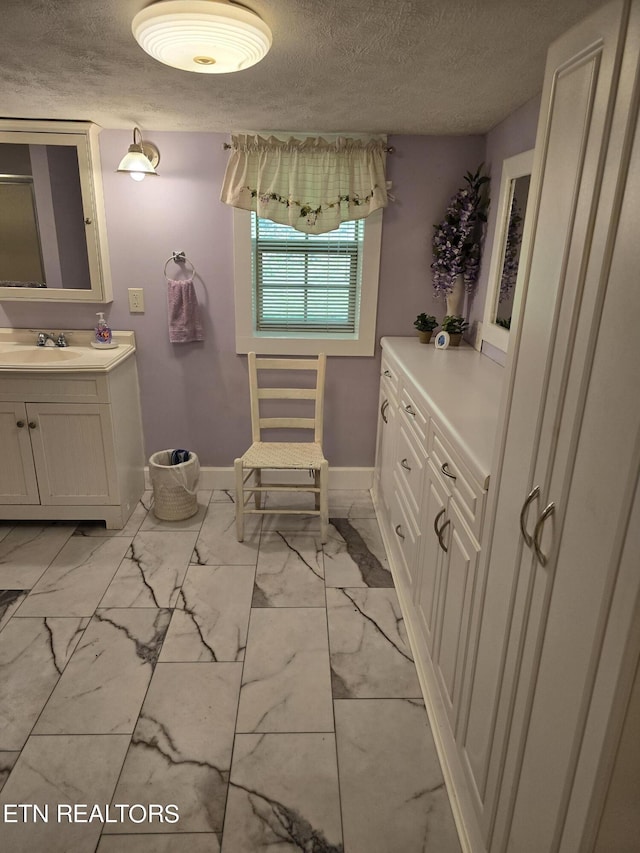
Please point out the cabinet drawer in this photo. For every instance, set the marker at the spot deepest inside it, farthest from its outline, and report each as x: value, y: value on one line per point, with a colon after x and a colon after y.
x: 457, y: 479
x: 389, y: 378
x: 406, y: 536
x: 413, y: 413
x: 409, y: 468
x: 46, y: 388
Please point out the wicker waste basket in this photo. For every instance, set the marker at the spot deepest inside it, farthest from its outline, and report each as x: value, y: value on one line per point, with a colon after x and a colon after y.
x: 174, y: 486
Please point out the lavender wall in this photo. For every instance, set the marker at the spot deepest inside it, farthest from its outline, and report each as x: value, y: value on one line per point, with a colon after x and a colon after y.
x: 195, y: 395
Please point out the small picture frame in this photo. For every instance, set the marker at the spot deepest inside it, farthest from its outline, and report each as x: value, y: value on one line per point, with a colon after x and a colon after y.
x: 442, y: 340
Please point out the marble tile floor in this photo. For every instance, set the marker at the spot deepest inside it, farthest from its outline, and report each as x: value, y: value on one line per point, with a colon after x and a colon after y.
x: 164, y: 688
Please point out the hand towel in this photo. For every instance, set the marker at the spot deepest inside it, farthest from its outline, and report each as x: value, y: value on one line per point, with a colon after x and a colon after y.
x: 184, y: 313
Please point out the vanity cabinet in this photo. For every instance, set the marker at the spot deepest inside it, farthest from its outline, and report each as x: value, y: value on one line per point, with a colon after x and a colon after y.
x: 67, y: 455
x: 72, y: 445
x: 431, y: 481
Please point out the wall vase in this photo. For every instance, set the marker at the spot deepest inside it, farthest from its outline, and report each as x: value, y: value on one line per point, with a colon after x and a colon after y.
x: 455, y: 299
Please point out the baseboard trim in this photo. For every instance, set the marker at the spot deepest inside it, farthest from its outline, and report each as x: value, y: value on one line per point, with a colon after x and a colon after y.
x: 352, y: 479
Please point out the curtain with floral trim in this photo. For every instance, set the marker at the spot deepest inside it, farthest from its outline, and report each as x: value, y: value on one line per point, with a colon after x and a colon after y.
x: 311, y: 184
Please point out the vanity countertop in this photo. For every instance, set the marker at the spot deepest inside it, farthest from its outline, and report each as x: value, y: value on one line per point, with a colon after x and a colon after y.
x: 461, y: 388
x: 19, y: 353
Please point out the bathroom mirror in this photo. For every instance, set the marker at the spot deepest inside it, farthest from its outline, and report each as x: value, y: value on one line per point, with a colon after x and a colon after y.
x: 52, y: 223
x: 507, y: 243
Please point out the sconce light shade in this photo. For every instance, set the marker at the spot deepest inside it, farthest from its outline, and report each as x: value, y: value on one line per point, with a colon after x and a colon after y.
x: 205, y: 36
x: 141, y: 159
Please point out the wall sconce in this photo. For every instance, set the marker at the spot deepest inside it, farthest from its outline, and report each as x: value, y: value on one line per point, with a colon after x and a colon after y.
x: 141, y: 159
x: 205, y: 36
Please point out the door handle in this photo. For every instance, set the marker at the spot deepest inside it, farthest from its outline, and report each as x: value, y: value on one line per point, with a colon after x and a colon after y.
x: 445, y: 470
x: 405, y: 465
x: 399, y: 531
x: 383, y: 409
x: 388, y: 374
x: 410, y: 410
x: 533, y: 494
x: 537, y: 532
x: 439, y: 531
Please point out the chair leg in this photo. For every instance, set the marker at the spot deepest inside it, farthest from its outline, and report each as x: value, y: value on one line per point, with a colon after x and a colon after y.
x: 324, y: 501
x: 239, y: 471
x: 258, y: 495
x: 316, y: 478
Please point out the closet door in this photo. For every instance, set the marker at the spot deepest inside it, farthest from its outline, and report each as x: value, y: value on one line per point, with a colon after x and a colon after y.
x: 573, y: 135
x: 587, y: 463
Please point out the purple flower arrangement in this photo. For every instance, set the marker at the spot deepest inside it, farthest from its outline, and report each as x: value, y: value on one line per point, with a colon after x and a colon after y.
x: 511, y: 253
x: 457, y: 240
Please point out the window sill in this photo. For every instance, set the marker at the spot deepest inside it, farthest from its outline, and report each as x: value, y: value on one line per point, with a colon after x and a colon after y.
x: 303, y: 346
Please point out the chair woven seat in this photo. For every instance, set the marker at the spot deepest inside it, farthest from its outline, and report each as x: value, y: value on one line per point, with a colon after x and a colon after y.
x: 283, y: 454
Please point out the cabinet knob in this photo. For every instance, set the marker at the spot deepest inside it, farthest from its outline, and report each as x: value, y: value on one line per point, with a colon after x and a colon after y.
x: 88, y: 220
x: 20, y: 424
x: 32, y: 424
x: 405, y: 465
x: 445, y: 470
x: 387, y: 373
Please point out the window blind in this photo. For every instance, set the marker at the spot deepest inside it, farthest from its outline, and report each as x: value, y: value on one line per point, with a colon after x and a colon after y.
x: 306, y: 282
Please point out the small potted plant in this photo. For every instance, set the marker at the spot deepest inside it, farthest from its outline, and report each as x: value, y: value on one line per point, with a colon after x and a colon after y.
x: 425, y: 324
x: 455, y: 326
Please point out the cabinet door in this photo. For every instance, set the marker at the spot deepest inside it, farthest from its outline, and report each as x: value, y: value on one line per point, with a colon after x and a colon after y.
x: 455, y: 596
x: 436, y: 501
x: 588, y: 460
x: 572, y: 185
x: 385, y: 451
x: 74, y: 453
x: 17, y: 472
x: 404, y: 533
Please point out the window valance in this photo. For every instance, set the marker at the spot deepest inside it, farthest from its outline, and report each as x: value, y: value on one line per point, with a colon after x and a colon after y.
x: 311, y: 184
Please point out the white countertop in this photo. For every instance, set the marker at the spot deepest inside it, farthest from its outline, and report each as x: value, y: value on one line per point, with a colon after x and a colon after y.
x: 19, y: 353
x: 461, y: 389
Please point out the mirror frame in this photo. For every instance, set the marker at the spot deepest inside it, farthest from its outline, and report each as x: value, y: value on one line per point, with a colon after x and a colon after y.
x: 84, y: 137
x: 512, y: 168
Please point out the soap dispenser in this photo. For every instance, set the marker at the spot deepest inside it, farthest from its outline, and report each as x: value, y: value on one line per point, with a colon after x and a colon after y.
x: 102, y: 330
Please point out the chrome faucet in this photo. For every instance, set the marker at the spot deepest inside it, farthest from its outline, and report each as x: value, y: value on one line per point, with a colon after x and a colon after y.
x: 49, y: 339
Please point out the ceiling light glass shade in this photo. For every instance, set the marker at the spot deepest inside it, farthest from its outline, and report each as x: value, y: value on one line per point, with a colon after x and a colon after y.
x: 205, y: 36
x: 141, y: 158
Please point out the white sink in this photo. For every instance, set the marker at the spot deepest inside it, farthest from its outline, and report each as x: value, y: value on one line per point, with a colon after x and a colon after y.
x: 18, y: 352
x: 41, y: 355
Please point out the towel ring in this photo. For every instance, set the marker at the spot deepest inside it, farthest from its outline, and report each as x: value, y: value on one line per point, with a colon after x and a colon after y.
x: 179, y: 258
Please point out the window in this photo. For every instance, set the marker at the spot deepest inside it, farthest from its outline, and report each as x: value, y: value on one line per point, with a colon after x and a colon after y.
x: 306, y: 293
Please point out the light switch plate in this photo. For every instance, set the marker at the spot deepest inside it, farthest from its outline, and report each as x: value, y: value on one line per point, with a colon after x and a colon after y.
x: 136, y: 300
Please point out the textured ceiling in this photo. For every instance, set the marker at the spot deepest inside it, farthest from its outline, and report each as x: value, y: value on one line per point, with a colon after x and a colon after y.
x: 395, y: 66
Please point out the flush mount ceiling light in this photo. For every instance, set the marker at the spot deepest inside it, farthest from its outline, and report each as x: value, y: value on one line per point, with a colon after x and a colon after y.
x: 141, y: 159
x: 205, y: 36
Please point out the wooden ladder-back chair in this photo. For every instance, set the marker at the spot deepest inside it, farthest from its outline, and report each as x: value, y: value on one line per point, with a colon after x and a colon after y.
x: 283, y: 455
